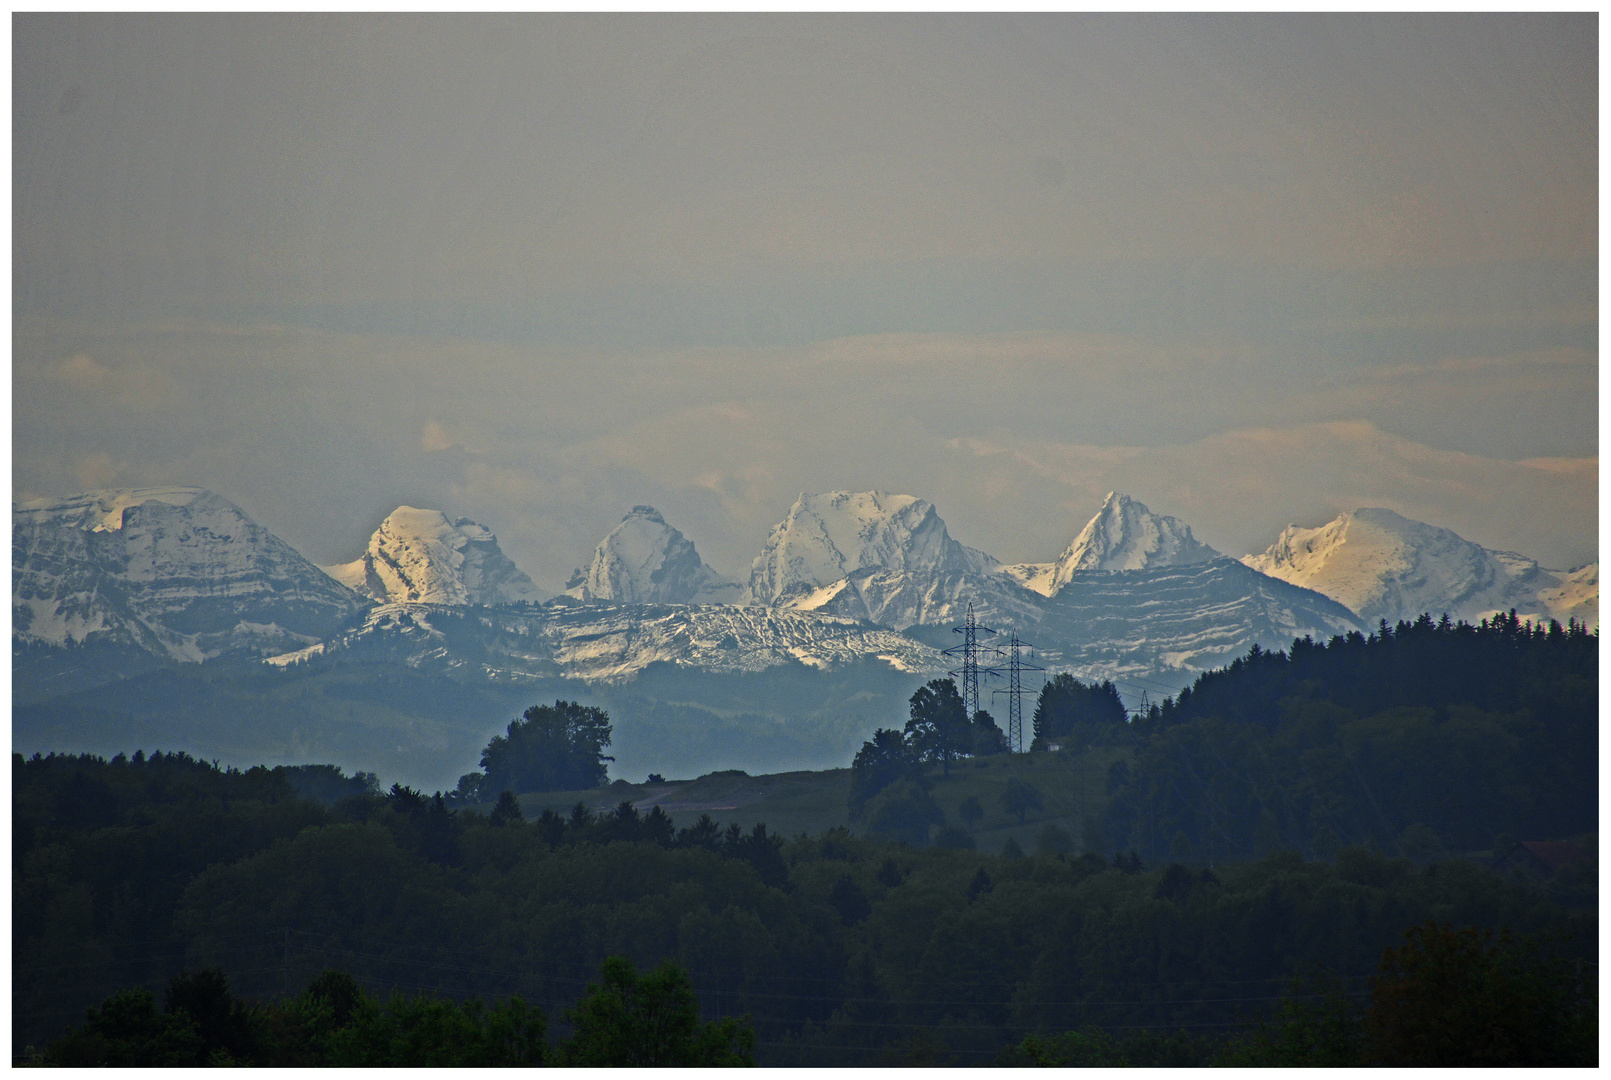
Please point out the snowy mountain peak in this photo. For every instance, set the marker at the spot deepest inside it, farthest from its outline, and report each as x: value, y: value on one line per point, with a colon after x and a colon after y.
x: 177, y: 572
x: 643, y: 560
x: 1125, y: 535
x: 828, y: 536
x: 102, y: 511
x: 420, y: 556
x: 1386, y: 566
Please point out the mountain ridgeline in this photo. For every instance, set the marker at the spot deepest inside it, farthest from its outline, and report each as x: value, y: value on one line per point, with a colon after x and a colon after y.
x: 122, y: 597
x: 1384, y: 566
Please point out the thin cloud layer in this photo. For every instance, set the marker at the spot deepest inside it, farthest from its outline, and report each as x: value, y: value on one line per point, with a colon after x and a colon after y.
x: 538, y: 269
x: 1015, y: 437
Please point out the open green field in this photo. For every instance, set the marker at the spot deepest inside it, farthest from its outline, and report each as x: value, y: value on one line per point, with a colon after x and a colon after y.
x: 1073, y: 790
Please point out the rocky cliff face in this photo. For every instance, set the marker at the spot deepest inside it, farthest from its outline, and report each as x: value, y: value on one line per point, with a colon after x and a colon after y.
x: 1124, y: 535
x: 643, y: 560
x: 1178, y: 619
x: 420, y: 556
x: 177, y: 572
x: 902, y: 599
x: 826, y: 538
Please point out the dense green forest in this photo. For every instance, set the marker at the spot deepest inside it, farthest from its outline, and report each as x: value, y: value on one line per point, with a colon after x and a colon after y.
x: 1438, y: 736
x: 1297, y: 812
x: 624, y: 1019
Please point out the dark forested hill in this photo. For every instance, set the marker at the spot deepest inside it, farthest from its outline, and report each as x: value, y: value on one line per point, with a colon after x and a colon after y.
x: 1438, y: 736
x: 1297, y: 808
x: 843, y: 950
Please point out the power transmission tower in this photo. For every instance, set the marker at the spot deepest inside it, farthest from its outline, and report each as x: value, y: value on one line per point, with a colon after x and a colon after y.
x: 970, y: 650
x: 1015, y: 694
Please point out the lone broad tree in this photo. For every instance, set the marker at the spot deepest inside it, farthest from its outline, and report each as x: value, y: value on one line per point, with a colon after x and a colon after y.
x: 939, y: 728
x: 550, y: 748
x: 650, y: 1021
x: 1019, y: 798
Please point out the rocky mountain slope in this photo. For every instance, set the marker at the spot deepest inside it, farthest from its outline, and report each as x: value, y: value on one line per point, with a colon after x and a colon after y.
x: 885, y: 558
x: 1577, y: 596
x: 1385, y: 566
x: 1169, y: 622
x: 826, y: 538
x: 612, y: 643
x: 181, y: 573
x: 1123, y: 535
x: 1134, y: 593
x: 643, y: 560
x: 902, y: 599
x: 420, y: 556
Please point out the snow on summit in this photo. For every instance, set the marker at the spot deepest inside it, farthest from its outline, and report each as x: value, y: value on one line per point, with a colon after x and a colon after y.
x: 644, y: 560
x: 827, y: 537
x: 420, y: 556
x: 174, y: 571
x: 1385, y: 566
x: 102, y: 511
x: 1124, y: 535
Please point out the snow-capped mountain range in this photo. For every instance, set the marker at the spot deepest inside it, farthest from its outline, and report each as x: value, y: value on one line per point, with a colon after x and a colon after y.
x: 183, y: 574
x: 887, y: 559
x: 1135, y: 594
x: 420, y: 556
x: 612, y: 642
x: 1167, y: 622
x: 903, y: 599
x: 407, y: 657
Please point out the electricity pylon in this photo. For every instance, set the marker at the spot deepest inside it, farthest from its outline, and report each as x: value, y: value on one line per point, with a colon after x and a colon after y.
x: 1015, y: 694
x: 970, y: 650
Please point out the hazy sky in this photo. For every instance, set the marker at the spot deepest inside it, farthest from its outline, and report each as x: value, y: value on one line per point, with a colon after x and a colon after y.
x: 537, y: 269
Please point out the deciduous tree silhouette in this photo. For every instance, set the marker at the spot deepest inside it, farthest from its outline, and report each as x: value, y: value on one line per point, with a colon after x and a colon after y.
x: 557, y: 747
x: 650, y: 1021
x: 939, y: 728
x: 1470, y: 998
x: 905, y: 812
x: 1019, y: 798
x: 882, y: 760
